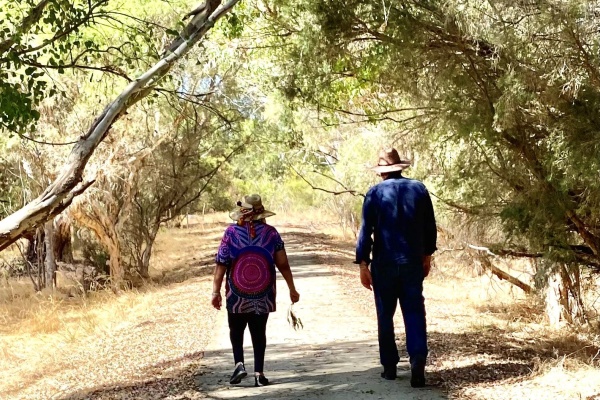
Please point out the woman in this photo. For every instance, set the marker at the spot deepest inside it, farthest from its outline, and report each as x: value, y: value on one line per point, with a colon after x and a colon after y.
x: 249, y: 251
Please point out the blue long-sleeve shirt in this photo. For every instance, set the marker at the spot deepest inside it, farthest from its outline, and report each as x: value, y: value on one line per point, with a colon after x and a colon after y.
x: 398, y: 223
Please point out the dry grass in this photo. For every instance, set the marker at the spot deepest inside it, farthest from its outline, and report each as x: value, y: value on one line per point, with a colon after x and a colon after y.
x: 49, y: 341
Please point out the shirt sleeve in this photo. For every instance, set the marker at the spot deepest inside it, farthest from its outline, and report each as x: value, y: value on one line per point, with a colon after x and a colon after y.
x: 273, y: 239
x: 364, y: 243
x: 279, y: 244
x: 224, y: 253
x: 430, y: 229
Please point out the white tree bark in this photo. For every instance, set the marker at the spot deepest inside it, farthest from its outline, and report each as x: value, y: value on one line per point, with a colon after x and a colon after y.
x: 552, y: 299
x: 68, y: 184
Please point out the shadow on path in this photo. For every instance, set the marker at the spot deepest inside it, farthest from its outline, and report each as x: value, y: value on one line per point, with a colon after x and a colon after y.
x: 320, y: 371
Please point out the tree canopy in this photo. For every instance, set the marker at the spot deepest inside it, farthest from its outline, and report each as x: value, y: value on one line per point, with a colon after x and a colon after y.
x: 495, y: 102
x: 499, y: 100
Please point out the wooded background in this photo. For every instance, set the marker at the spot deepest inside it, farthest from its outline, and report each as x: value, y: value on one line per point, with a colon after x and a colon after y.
x: 117, y: 118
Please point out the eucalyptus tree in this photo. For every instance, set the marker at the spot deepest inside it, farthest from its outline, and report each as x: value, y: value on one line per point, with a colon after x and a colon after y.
x: 68, y: 183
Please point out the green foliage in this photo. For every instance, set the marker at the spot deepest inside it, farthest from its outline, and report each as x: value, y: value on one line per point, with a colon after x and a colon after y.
x: 33, y: 39
x: 42, y: 40
x: 497, y: 103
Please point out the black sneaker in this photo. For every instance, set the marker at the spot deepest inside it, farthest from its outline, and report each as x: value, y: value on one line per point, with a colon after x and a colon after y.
x: 239, y: 373
x: 389, y: 372
x: 260, y: 380
x: 417, y: 370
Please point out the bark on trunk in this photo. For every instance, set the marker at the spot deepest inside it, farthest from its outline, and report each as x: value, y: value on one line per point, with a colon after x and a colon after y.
x: 68, y: 184
x: 63, y: 249
x: 117, y: 272
x: 49, y: 262
x: 563, y: 298
x: 144, y: 268
x: 105, y: 231
x: 553, y: 300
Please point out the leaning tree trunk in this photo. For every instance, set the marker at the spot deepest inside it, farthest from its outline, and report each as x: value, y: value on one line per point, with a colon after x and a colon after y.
x: 68, y: 184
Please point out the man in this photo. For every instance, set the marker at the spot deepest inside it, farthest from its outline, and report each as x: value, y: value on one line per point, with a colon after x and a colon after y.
x: 398, y: 227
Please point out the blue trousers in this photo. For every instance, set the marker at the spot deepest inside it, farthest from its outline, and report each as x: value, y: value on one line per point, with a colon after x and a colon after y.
x: 400, y: 283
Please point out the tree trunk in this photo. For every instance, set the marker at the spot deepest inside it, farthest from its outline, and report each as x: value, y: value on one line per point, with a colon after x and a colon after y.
x: 145, y: 261
x: 49, y: 262
x: 110, y: 240
x: 105, y: 231
x: 31, y: 248
x: 117, y: 272
x: 563, y: 301
x: 67, y: 185
x: 575, y: 309
x: 63, y: 249
x: 553, y: 300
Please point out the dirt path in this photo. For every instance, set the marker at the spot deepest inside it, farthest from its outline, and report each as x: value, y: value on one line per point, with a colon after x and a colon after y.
x: 167, y: 342
x: 334, y: 357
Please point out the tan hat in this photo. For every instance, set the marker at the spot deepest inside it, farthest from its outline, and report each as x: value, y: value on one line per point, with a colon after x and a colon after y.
x: 251, y: 209
x: 389, y: 161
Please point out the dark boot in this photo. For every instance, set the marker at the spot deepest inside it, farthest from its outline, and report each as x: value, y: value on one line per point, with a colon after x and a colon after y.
x: 417, y: 370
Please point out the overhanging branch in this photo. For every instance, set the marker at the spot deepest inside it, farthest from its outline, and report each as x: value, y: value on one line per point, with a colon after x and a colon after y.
x: 336, y: 193
x: 65, y: 187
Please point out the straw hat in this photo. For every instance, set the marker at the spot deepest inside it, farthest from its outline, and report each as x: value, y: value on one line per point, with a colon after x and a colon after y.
x: 389, y: 161
x: 252, y: 208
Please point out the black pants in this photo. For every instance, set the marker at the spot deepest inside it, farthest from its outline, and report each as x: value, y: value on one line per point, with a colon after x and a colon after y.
x: 258, y: 328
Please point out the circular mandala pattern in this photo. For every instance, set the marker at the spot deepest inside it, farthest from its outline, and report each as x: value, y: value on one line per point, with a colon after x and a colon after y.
x: 251, y: 275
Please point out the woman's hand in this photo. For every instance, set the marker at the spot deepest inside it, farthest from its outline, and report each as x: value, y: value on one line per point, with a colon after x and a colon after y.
x: 294, y: 296
x: 216, y: 300
x: 220, y: 270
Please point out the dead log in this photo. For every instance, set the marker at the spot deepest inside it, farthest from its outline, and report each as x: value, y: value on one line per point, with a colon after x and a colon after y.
x: 484, y: 257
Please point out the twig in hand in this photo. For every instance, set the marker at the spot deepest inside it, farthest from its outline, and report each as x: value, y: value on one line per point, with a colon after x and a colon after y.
x: 293, y: 319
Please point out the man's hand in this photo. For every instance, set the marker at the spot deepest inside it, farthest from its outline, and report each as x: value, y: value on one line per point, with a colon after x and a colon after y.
x: 365, y: 276
x: 294, y: 296
x: 216, y: 301
x: 426, y: 265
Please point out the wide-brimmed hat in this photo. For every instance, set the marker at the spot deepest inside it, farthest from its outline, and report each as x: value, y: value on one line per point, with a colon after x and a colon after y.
x: 251, y: 208
x: 390, y: 161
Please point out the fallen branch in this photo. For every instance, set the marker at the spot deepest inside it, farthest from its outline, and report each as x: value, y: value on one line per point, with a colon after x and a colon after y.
x: 484, y: 258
